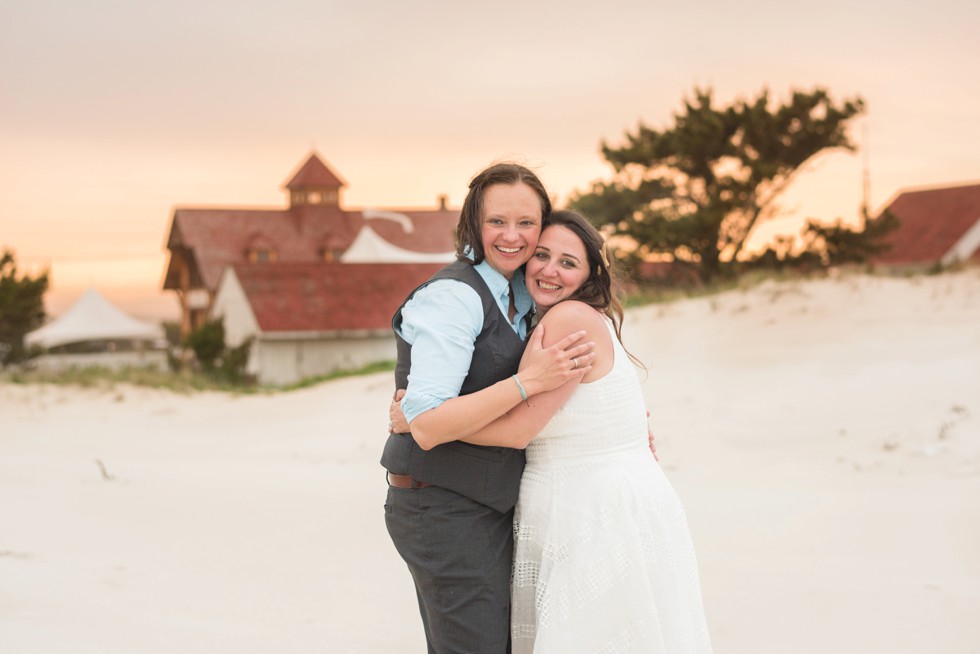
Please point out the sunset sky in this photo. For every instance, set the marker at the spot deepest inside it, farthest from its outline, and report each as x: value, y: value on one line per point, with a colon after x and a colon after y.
x: 114, y: 112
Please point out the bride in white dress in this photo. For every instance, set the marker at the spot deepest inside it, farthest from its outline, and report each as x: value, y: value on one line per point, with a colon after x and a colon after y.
x: 603, y: 558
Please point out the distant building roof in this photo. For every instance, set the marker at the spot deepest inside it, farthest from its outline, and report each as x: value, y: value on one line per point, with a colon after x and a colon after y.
x: 314, y: 229
x: 936, y: 225
x: 323, y: 297
x: 314, y: 174
x: 218, y: 237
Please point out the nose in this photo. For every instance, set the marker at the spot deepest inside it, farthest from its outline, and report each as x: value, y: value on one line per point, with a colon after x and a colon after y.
x: 510, y: 232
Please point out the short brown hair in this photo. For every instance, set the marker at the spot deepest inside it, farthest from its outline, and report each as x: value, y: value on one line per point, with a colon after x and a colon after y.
x: 469, y: 244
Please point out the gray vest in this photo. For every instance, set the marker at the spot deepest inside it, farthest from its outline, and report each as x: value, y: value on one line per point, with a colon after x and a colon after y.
x: 488, y: 475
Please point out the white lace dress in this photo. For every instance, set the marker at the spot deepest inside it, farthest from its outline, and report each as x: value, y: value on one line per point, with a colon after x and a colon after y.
x: 603, y: 558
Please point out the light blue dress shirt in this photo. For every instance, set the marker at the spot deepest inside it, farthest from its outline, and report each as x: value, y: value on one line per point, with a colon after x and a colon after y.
x: 441, y: 322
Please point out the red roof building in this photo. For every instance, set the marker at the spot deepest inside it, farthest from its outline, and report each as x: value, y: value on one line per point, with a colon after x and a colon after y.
x: 936, y: 226
x: 314, y: 228
x: 308, y: 319
x: 328, y: 297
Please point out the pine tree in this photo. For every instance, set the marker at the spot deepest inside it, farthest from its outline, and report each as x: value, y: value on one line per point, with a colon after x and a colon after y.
x: 696, y: 190
x: 21, y: 308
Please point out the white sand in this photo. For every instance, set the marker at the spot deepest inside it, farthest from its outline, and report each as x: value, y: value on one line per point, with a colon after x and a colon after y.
x: 824, y: 437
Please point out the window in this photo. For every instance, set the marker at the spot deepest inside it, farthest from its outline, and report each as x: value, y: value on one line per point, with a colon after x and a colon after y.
x: 328, y: 254
x: 262, y: 255
x: 320, y: 196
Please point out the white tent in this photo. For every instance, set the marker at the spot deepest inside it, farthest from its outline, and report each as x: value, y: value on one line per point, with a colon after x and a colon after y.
x: 92, y: 318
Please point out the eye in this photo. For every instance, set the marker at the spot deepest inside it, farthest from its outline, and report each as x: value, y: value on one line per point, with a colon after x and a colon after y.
x: 495, y: 221
x: 568, y: 263
x: 529, y: 223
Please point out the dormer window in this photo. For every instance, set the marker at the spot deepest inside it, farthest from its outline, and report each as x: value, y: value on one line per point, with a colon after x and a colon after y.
x: 262, y: 255
x: 261, y: 249
x: 329, y: 254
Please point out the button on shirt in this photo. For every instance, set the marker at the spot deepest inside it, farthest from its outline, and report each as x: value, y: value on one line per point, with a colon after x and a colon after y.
x: 441, y: 322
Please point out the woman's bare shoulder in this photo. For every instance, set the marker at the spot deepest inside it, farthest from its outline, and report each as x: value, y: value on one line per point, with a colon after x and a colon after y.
x: 570, y: 316
x: 572, y: 310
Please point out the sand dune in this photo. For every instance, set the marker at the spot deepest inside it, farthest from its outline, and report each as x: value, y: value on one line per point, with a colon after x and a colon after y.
x: 823, y: 435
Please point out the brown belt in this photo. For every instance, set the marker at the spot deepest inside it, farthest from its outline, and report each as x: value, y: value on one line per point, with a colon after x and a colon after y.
x: 404, y: 481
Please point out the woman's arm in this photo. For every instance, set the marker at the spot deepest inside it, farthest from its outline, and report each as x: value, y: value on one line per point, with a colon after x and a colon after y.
x: 484, y: 420
x: 543, y: 369
x: 441, y: 321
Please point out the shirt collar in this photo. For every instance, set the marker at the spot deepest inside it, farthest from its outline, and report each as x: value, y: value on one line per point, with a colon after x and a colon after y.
x: 499, y: 286
x: 522, y: 299
x: 497, y: 283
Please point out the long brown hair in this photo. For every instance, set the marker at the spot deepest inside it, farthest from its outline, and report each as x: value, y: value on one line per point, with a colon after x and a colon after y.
x: 597, y: 291
x: 469, y: 244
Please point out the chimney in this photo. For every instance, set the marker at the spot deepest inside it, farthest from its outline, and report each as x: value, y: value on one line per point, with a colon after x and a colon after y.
x: 442, y: 200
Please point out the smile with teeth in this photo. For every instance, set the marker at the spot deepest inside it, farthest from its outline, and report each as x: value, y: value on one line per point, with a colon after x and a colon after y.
x: 508, y: 250
x: 548, y: 287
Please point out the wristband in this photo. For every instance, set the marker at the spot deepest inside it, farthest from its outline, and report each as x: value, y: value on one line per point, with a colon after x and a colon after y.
x: 521, y: 389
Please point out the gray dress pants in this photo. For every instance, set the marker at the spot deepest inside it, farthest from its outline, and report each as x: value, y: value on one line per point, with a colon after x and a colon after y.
x: 459, y: 553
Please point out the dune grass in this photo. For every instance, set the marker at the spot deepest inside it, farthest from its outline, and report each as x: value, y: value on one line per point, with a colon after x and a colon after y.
x: 186, y: 382
x: 369, y: 369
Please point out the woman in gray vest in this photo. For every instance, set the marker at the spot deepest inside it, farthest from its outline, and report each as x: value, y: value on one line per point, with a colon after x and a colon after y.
x: 603, y: 558
x: 449, y: 509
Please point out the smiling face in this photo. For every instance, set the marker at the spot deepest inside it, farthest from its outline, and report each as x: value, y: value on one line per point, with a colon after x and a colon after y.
x: 510, y: 226
x: 558, y: 267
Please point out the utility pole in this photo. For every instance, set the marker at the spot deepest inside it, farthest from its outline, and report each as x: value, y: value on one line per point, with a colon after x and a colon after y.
x: 866, y: 172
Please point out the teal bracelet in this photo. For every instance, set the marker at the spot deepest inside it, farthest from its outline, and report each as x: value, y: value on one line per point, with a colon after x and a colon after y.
x: 521, y: 389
